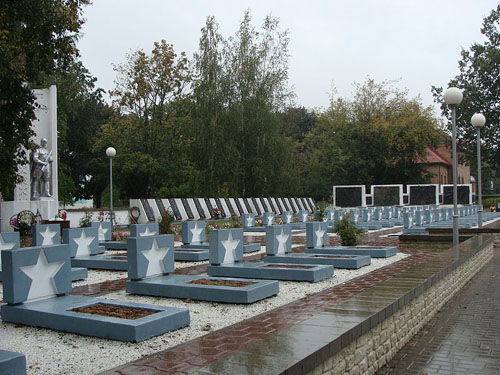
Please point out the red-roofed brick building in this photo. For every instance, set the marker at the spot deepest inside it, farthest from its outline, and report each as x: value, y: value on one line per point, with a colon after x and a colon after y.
x: 438, y: 161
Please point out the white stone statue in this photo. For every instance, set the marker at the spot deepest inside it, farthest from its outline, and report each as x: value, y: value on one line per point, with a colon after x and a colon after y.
x: 41, y: 168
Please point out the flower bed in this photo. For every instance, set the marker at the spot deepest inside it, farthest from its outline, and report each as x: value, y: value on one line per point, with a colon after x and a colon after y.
x: 115, y: 311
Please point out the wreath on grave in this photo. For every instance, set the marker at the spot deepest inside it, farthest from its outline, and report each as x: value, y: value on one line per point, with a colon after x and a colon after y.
x: 135, y: 212
x: 13, y: 222
x: 25, y: 219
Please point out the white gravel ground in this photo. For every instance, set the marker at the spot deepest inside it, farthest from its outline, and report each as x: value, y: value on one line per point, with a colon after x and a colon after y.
x: 52, y: 352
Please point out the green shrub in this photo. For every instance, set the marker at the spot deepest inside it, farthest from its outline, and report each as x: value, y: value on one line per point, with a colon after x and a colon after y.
x: 166, y: 221
x: 319, y: 214
x: 350, y: 234
x: 87, y: 218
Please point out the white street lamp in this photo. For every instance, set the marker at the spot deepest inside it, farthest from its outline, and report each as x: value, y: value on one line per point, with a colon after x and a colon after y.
x: 478, y: 120
x: 453, y: 97
x: 111, y: 152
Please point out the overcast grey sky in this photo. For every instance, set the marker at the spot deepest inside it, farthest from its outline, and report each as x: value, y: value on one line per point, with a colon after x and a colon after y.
x: 331, y: 42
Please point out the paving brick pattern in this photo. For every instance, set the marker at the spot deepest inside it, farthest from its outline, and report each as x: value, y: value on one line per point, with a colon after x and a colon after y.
x: 463, y: 338
x: 192, y: 356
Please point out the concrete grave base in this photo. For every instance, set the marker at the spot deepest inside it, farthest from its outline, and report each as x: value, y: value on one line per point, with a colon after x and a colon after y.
x: 193, y: 255
x: 344, y: 261
x: 55, y: 313
x: 101, y: 262
x: 258, y: 270
x: 196, y: 245
x: 254, y: 229
x: 247, y: 247
x: 77, y: 273
x: 373, y: 251
x: 251, y: 247
x: 179, y: 286
x: 12, y: 363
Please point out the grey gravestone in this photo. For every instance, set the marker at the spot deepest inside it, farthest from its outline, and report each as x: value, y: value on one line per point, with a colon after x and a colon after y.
x: 287, y: 217
x: 193, y: 232
x: 348, y: 196
x: 316, y: 234
x: 104, y: 230
x: 36, y: 280
x: 12, y: 363
x: 226, y: 255
x: 230, y: 207
x: 148, y: 210
x: 303, y: 216
x: 144, y: 230
x: 185, y: 204
x: 422, y: 194
x: 45, y: 234
x: 373, y: 251
x: 8, y: 241
x: 278, y: 239
x: 386, y: 195
x: 175, y: 209
x: 248, y: 220
x: 200, y: 210
x: 268, y: 218
x: 82, y: 241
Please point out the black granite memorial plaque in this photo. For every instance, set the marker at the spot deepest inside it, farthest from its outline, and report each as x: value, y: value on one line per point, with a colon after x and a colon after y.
x: 280, y: 206
x: 175, y: 209
x: 285, y: 203
x: 463, y: 194
x: 306, y: 204
x: 349, y: 196
x: 247, y: 205
x: 271, y: 205
x: 161, y: 207
x: 200, y: 210
x: 257, y: 208
x: 420, y: 195
x: 185, y: 204
x: 369, y: 200
x: 405, y: 199
x: 148, y: 210
x: 211, y: 210
x: 311, y: 202
x: 386, y: 196
x: 264, y: 205
x: 293, y: 205
x: 220, y: 207
x: 230, y: 207
x: 238, y: 206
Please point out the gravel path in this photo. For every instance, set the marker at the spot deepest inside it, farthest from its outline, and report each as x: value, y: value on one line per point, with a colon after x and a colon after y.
x: 52, y: 352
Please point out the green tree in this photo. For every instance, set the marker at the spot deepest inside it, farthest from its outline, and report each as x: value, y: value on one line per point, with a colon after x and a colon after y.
x: 36, y: 37
x: 479, y: 78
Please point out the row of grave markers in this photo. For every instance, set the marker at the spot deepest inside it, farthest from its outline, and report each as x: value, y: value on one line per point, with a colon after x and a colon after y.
x: 183, y: 209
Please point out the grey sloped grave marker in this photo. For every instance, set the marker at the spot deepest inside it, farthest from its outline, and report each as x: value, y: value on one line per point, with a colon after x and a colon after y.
x: 8, y: 241
x: 35, y: 286
x: 279, y: 248
x: 86, y: 252
x: 12, y: 363
x: 316, y: 243
x: 193, y: 238
x: 248, y: 221
x: 50, y: 234
x: 151, y: 260
x: 105, y: 231
x: 226, y: 255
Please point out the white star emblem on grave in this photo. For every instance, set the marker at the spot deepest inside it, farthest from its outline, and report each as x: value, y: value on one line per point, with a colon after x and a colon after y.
x: 48, y: 236
x: 288, y: 218
x: 147, y: 233
x: 304, y: 217
x: 5, y: 246
x: 269, y: 220
x: 155, y: 257
x: 83, y: 242
x: 319, y: 236
x: 102, y: 232
x: 42, y: 277
x: 249, y: 221
x: 196, y: 231
x: 230, y: 246
x: 282, y: 238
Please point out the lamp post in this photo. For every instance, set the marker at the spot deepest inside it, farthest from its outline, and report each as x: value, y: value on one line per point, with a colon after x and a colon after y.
x: 453, y: 97
x: 478, y: 120
x: 111, y: 152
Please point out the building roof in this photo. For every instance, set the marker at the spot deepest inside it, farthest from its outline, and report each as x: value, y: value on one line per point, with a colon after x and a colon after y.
x: 433, y: 157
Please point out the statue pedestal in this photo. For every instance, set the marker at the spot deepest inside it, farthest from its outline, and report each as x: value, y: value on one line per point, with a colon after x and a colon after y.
x: 48, y: 208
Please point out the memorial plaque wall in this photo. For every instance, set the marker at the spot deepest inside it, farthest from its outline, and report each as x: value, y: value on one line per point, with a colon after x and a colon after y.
x: 348, y: 196
x: 386, y: 195
x: 422, y: 194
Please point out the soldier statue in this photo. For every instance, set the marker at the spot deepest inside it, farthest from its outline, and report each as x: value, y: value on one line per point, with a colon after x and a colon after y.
x: 41, y: 166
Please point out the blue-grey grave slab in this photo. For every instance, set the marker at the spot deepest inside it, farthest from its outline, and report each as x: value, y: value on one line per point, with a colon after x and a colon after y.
x: 8, y: 241
x: 12, y: 363
x: 147, y: 210
x: 230, y: 207
x: 193, y: 233
x: 317, y: 240
x: 185, y: 204
x: 201, y: 211
x: 303, y: 216
x: 279, y: 247
x: 409, y: 224
x: 105, y: 229
x: 248, y: 221
x: 264, y: 204
x: 226, y: 255
x: 45, y: 234
x: 268, y: 218
x: 152, y: 261
x: 36, y: 282
x: 366, y: 220
x: 86, y: 252
x: 287, y: 217
x: 144, y: 230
